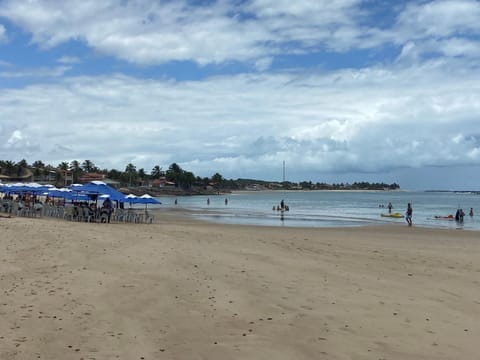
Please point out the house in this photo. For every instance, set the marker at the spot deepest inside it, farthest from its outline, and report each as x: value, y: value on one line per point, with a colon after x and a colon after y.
x: 162, y: 182
x: 89, y: 177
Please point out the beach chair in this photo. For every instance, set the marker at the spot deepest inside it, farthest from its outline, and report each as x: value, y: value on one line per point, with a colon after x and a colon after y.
x: 58, y: 211
x: 129, y: 216
x: 15, y: 210
x: 24, y: 210
x: 69, y: 213
x: 148, y: 218
x: 88, y: 215
x: 117, y: 214
x: 37, y: 210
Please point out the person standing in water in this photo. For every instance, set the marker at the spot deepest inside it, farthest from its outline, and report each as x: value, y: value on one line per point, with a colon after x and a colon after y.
x: 408, y: 214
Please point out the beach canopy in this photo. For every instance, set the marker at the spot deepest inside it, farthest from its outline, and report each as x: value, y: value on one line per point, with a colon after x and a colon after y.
x: 21, y: 188
x: 98, y: 189
x: 147, y: 199
x: 144, y: 199
x: 65, y: 193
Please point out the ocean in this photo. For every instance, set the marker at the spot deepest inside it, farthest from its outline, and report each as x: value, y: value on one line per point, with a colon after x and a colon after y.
x: 330, y: 208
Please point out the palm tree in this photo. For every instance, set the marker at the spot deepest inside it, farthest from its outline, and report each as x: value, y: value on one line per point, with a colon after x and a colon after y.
x: 174, y: 173
x: 217, y: 179
x: 76, y: 170
x: 131, y: 170
x: 9, y: 167
x: 156, y: 172
x: 142, y: 175
x: 63, y: 166
x: 114, y: 174
x: 187, y: 179
x: 22, y: 164
x: 61, y: 170
x: 88, y: 166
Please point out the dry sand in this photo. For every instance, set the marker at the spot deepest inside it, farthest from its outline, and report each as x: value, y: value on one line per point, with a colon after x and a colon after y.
x: 180, y: 289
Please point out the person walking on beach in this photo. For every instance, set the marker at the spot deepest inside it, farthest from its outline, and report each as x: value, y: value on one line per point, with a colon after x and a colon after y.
x: 107, y: 207
x: 408, y: 214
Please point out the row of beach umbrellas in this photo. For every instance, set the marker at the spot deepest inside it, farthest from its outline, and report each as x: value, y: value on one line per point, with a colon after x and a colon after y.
x: 78, y: 192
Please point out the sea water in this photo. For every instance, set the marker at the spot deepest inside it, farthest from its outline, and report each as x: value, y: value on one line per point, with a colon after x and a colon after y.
x: 330, y: 208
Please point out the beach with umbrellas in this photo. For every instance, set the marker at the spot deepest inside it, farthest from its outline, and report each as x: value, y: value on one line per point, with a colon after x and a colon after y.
x: 91, y: 202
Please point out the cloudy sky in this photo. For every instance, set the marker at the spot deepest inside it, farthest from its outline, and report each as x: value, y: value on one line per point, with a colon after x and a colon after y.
x: 342, y: 90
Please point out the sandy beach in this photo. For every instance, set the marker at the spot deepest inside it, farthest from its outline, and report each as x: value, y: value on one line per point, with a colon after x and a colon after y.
x: 181, y: 289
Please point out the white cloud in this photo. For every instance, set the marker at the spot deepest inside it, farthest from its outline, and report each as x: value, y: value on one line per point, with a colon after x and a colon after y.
x: 69, y: 60
x: 153, y: 33
x: 3, y: 33
x: 140, y: 32
x: 5, y: 64
x: 368, y: 120
x: 420, y: 110
x: 441, y: 18
x: 35, y: 72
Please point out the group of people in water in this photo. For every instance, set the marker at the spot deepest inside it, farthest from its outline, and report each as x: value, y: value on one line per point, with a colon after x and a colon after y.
x: 282, y: 207
x: 459, y: 215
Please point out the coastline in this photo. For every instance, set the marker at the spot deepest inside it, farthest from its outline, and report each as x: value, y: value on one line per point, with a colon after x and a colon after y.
x: 186, y: 289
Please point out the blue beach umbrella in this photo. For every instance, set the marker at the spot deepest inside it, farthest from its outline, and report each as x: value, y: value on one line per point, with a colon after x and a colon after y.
x: 147, y: 199
x: 66, y: 194
x: 130, y: 199
x: 98, y: 188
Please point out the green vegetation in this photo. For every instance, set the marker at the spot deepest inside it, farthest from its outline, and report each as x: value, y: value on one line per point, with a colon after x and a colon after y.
x: 174, y: 178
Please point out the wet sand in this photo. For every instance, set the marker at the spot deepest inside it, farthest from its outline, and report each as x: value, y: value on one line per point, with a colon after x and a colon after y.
x: 180, y: 289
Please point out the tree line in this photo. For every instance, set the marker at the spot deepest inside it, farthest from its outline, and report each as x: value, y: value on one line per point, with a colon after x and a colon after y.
x: 130, y: 176
x: 183, y: 179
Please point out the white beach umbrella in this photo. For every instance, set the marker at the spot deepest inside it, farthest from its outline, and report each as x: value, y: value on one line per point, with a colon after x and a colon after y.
x: 147, y: 199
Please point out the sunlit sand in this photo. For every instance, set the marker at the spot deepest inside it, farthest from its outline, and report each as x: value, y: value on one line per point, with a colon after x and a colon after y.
x: 180, y: 289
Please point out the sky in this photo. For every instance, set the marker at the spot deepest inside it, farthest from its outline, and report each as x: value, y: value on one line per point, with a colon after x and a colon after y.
x: 341, y: 91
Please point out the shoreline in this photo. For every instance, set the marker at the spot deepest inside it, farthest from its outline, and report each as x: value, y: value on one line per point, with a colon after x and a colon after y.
x: 182, y: 288
x: 214, y: 217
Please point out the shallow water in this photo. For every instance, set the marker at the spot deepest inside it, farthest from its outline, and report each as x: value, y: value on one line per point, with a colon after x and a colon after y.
x: 330, y: 208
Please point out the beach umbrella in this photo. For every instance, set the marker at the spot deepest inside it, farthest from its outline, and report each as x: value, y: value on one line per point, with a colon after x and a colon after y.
x: 147, y: 199
x: 65, y: 193
x: 130, y: 199
x: 98, y: 188
x: 20, y: 188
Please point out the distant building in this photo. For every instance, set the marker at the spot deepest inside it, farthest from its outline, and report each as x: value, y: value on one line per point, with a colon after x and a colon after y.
x: 162, y: 182
x: 67, y: 177
x: 88, y: 177
x: 254, y: 187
